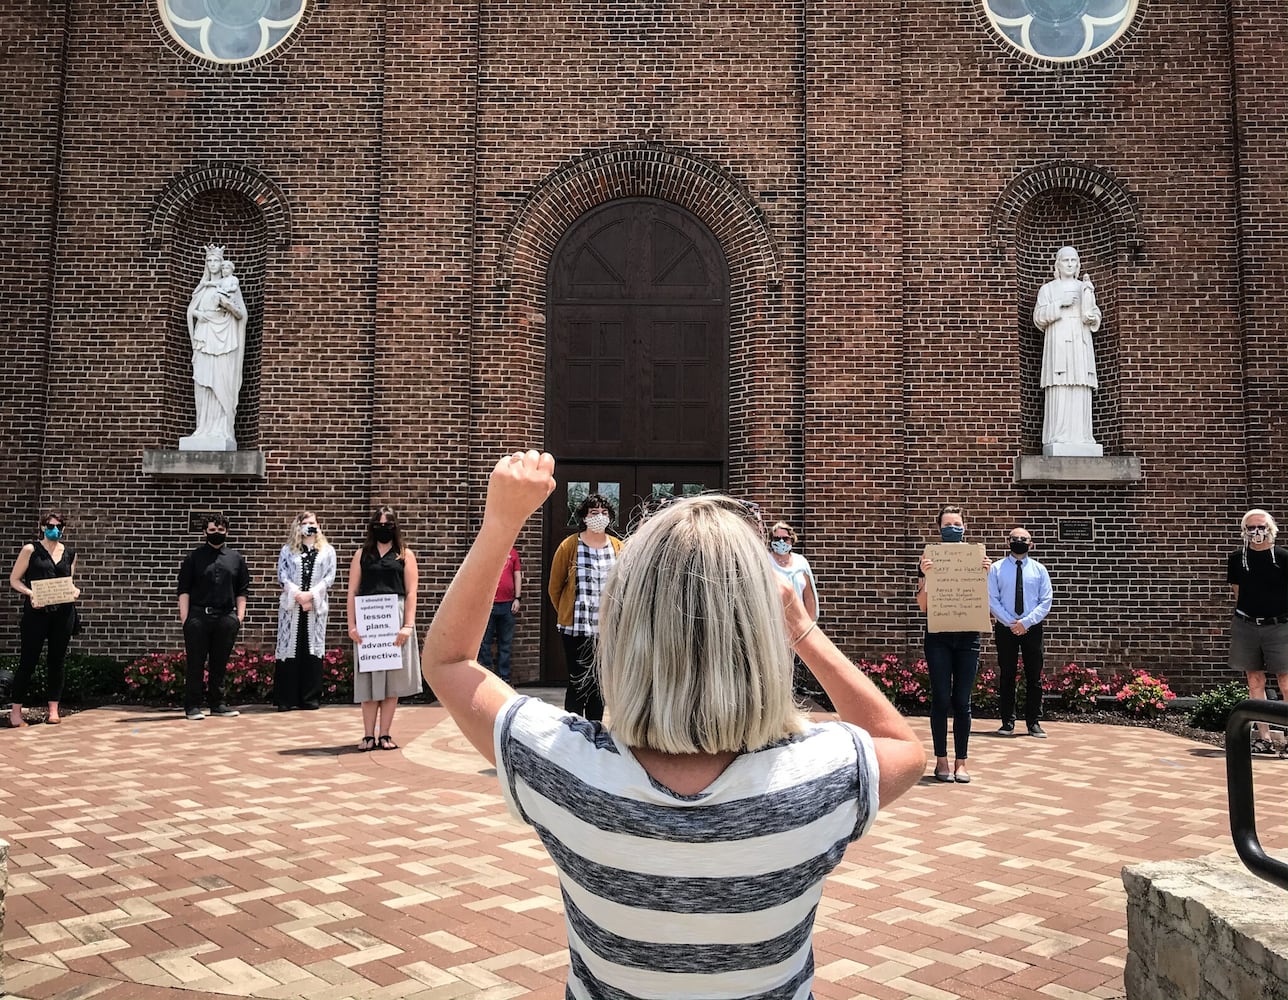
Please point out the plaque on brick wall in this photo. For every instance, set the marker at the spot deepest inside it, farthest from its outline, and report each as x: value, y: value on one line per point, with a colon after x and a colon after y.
x: 1077, y: 529
x: 198, y: 519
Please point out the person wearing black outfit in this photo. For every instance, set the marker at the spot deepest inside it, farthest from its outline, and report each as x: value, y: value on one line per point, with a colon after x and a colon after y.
x: 1258, y: 577
x: 384, y: 565
x: 46, y: 559
x: 214, y: 582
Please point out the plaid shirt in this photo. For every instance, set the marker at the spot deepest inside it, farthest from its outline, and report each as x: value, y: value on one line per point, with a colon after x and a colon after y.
x: 592, y: 570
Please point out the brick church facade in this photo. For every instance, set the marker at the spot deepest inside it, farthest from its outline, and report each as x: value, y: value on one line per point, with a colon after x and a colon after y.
x: 786, y: 249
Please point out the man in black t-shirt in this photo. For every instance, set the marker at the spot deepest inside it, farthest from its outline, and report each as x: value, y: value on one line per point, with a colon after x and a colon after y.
x: 214, y: 582
x: 1258, y: 577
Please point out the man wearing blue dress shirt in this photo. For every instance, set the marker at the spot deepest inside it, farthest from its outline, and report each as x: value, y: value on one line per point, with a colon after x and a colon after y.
x: 1019, y: 597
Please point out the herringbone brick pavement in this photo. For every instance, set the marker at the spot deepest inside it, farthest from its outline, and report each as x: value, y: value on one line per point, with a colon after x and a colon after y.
x: 158, y: 859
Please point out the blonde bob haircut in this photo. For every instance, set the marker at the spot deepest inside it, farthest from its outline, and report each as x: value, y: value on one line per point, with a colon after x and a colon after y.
x: 692, y: 654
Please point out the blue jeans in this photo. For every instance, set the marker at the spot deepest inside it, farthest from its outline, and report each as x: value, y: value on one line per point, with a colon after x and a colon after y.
x: 500, y: 626
x: 953, y: 660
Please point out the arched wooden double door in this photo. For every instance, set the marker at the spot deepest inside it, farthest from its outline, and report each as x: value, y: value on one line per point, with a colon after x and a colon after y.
x: 637, y: 367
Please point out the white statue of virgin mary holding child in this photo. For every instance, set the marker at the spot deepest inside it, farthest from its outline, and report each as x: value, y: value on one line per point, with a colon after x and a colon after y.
x: 217, y: 327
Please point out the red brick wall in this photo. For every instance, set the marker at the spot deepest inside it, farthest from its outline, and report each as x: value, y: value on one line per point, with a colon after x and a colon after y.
x: 888, y: 183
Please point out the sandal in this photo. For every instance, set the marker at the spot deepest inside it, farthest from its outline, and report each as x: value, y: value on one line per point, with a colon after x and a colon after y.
x: 1263, y: 746
x: 387, y: 742
x: 368, y: 743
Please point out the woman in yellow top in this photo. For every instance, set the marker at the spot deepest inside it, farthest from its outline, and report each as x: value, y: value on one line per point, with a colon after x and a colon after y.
x: 577, y: 576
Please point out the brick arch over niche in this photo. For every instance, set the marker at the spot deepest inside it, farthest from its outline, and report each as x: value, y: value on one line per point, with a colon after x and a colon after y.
x: 760, y: 330
x: 246, y: 214
x: 638, y: 172
x: 1058, y: 205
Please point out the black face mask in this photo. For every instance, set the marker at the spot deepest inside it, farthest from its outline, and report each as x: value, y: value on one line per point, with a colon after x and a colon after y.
x: 383, y: 533
x: 216, y: 538
x: 309, y: 529
x: 1019, y: 548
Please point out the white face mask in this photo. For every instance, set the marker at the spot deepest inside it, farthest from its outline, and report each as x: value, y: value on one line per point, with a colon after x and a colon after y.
x: 597, y: 522
x: 781, y: 546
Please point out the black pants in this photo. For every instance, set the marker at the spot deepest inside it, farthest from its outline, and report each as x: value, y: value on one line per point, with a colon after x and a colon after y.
x: 208, y: 641
x: 1010, y: 647
x: 35, y: 629
x: 297, y: 682
x: 583, y: 695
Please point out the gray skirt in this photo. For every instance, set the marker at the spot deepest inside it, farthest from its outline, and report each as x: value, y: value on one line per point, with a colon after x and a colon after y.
x: 403, y: 682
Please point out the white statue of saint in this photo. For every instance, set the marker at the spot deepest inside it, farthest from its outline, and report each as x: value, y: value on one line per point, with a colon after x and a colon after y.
x: 1067, y: 313
x: 217, y: 326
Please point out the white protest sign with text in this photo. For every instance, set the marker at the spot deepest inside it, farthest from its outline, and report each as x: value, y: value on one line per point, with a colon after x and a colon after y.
x: 377, y: 621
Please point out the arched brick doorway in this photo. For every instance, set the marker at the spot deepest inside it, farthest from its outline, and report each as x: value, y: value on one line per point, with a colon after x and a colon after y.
x: 637, y: 367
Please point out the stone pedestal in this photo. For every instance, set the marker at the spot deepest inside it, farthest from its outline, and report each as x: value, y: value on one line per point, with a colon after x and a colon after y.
x: 1206, y: 929
x: 189, y: 464
x: 1076, y: 469
x: 194, y: 443
x: 1064, y: 450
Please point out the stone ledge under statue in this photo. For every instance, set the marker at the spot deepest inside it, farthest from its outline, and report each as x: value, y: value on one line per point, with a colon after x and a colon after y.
x: 1076, y: 469
x: 228, y: 464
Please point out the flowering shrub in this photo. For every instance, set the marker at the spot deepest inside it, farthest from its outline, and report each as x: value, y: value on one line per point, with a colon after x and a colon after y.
x: 907, y: 687
x: 1078, y: 687
x: 1144, y: 696
x: 159, y: 677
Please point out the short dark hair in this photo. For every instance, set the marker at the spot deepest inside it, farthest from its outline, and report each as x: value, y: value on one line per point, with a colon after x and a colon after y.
x: 218, y: 520
x: 948, y: 509
x: 53, y: 515
x: 594, y: 500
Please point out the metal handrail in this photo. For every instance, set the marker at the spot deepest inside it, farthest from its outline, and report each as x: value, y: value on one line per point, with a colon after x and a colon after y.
x: 1238, y: 780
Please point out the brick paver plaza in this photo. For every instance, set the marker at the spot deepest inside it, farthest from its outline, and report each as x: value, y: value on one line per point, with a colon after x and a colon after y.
x: 261, y: 857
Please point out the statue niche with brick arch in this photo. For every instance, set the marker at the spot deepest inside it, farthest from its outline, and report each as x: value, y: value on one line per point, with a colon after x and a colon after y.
x: 1067, y: 314
x: 217, y: 327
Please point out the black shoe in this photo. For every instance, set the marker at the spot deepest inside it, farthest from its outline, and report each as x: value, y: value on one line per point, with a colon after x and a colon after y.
x: 285, y: 708
x: 310, y: 706
x: 194, y: 714
x: 1037, y: 731
x: 1007, y: 729
x: 224, y: 712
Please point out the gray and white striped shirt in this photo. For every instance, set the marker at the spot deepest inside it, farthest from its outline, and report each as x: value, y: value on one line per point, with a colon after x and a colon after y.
x: 707, y: 896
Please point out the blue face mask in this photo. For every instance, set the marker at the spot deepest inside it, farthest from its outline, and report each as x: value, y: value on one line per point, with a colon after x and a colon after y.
x: 952, y: 532
x: 53, y: 534
x: 781, y: 547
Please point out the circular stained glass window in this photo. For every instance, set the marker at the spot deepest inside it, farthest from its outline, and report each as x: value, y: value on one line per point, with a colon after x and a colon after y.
x: 1060, y: 30
x: 231, y: 31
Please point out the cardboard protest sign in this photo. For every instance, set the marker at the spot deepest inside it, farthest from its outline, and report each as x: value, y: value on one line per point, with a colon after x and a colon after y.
x: 59, y: 590
x: 957, y: 588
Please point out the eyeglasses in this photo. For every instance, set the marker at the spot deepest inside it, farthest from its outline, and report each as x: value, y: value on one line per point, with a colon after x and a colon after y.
x: 782, y: 538
x: 1258, y: 529
x: 1021, y: 538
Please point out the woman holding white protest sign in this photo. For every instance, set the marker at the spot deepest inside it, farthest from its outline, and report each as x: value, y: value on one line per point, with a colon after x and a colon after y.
x: 386, y: 657
x: 48, y: 558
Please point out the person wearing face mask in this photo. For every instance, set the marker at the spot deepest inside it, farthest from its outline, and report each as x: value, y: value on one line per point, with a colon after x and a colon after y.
x: 214, y: 582
x: 306, y: 570
x: 47, y: 558
x: 953, y: 661
x: 577, y: 574
x: 384, y: 565
x: 793, y: 566
x: 1019, y: 598
x: 1258, y: 576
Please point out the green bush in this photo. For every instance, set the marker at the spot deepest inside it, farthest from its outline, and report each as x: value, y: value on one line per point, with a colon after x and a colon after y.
x: 1212, y: 709
x: 87, y: 678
